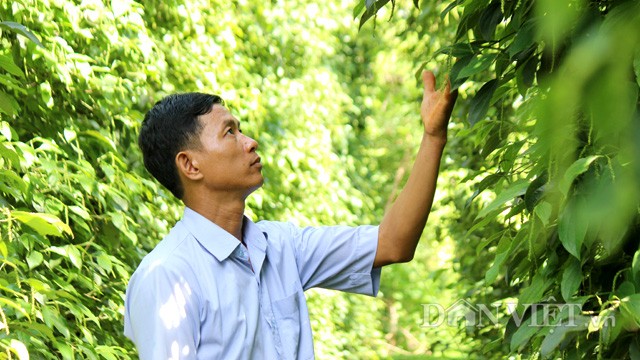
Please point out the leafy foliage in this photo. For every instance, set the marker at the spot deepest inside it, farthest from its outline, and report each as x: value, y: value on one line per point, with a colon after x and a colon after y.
x: 538, y: 197
x: 78, y: 209
x: 552, y: 90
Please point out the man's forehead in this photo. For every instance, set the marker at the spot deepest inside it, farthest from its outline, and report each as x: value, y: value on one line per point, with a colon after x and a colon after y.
x: 220, y: 115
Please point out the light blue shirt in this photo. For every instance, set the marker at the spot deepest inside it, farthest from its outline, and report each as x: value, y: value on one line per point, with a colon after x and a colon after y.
x: 201, y: 294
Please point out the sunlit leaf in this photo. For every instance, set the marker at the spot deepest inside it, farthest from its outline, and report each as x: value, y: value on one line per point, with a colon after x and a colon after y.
x: 7, y: 64
x: 450, y: 7
x: 516, y: 189
x: 34, y: 259
x: 486, y: 183
x: 577, y: 168
x: 19, y: 348
x: 44, y: 224
x: 477, y: 65
x: 372, y: 9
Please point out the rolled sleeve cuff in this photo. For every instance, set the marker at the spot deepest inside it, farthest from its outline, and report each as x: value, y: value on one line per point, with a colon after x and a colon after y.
x: 366, y: 279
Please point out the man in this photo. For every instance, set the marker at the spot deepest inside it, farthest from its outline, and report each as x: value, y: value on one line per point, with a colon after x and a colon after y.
x: 219, y: 286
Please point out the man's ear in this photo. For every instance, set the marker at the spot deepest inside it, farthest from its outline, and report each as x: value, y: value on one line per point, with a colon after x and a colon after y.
x: 187, y: 165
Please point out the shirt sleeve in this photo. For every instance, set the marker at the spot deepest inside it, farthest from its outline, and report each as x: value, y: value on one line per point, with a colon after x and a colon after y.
x: 161, y: 314
x: 338, y: 257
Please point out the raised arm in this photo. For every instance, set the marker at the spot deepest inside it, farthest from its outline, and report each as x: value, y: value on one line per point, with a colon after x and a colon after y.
x: 402, y: 225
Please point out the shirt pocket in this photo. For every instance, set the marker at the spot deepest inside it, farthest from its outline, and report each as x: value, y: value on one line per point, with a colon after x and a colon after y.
x: 287, y: 315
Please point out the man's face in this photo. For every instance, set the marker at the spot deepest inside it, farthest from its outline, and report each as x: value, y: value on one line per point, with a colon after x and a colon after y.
x: 226, y: 157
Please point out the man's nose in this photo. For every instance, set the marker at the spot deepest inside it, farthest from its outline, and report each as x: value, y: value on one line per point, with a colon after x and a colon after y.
x: 250, y: 144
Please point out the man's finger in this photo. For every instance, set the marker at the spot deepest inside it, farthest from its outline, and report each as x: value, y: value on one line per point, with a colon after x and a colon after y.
x: 429, y: 81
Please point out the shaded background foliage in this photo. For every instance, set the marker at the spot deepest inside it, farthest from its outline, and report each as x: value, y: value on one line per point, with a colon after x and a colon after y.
x: 538, y: 196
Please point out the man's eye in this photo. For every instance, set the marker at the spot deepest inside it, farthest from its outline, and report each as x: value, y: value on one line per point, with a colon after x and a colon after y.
x: 230, y: 131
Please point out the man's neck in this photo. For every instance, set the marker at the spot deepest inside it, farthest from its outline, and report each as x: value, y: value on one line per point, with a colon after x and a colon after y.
x: 226, y: 213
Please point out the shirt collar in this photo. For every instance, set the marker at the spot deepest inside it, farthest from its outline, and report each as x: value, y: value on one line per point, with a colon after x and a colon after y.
x: 218, y: 241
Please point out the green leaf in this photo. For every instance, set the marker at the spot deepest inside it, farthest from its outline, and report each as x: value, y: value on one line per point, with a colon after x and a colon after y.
x: 101, y: 138
x: 450, y: 7
x: 7, y: 63
x: 509, y: 157
x: 516, y: 189
x: 71, y: 252
x: 559, y: 17
x: 502, y: 252
x: 534, y: 292
x: 358, y: 8
x: 578, y: 167
x: 19, y: 348
x: 543, y: 211
x: 74, y: 256
x: 477, y: 65
x: 372, y: 9
x: 34, y: 259
x: 572, y: 228
x: 534, y: 192
x: 526, y: 331
x: 636, y: 68
x: 571, y: 278
x: 5, y: 130
x: 635, y: 268
x: 80, y: 211
x: 44, y: 224
x: 491, y: 142
x: 8, y: 104
x: 625, y: 289
x: 490, y: 18
x: 15, y: 306
x: 461, y: 63
x: 53, y: 318
x: 523, y: 40
x: 481, y: 101
x: 630, y: 309
x: 609, y: 330
x: 459, y: 50
x: 104, y: 261
x: 10, y: 154
x: 562, y: 332
x: 3, y: 249
x: 106, y: 352
x: 35, y: 327
x: 65, y: 350
x: 487, y: 182
x: 526, y: 74
x: 634, y: 349
x: 22, y: 30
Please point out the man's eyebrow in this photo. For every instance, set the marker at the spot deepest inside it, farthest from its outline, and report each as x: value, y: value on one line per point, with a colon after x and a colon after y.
x: 231, y: 122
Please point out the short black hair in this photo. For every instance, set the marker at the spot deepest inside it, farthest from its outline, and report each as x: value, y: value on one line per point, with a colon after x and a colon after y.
x: 169, y: 127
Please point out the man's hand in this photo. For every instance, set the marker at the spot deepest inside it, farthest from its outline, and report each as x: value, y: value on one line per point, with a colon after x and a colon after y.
x: 436, y: 106
x: 402, y: 225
